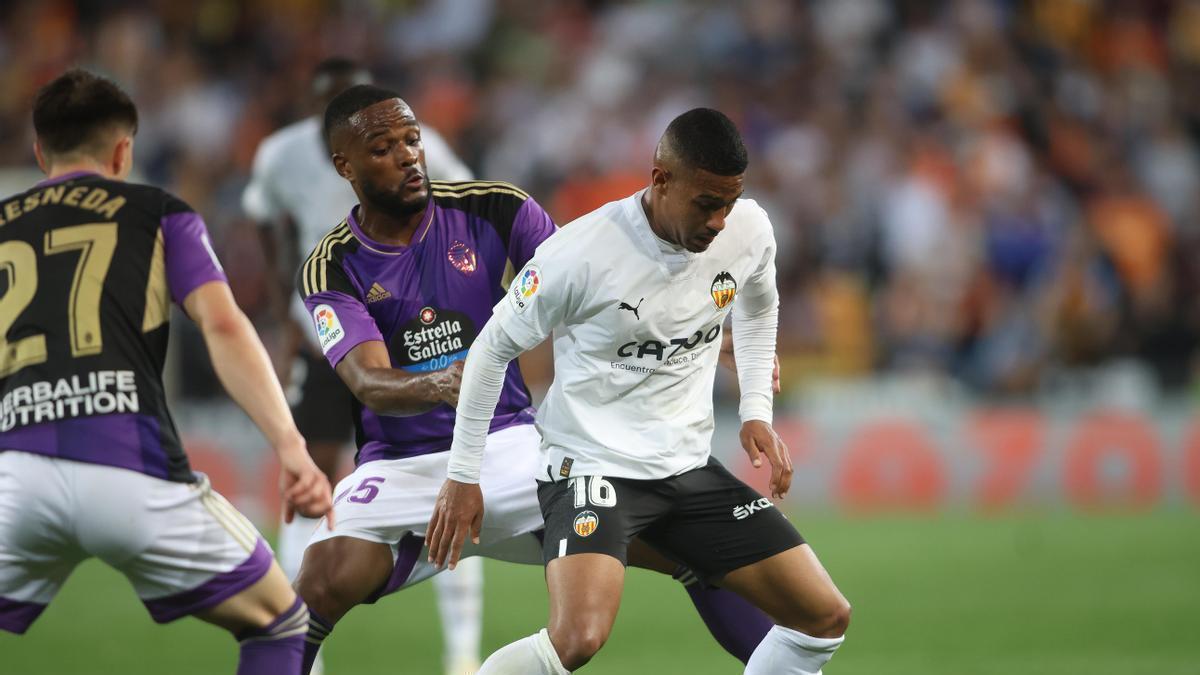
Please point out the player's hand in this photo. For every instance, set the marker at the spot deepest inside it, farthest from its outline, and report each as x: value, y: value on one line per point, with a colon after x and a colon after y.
x: 758, y: 439
x: 305, y: 488
x: 447, y: 383
x: 726, y: 358
x: 457, y: 514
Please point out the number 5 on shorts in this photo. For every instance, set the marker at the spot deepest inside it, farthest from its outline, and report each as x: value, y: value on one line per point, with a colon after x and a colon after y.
x: 599, y: 491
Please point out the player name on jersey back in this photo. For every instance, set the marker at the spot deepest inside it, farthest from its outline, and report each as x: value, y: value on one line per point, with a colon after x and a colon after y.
x: 90, y: 267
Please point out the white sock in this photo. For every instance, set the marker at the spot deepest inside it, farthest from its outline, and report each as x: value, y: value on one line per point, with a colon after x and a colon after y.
x: 533, y: 655
x: 460, y: 604
x: 293, y: 539
x: 789, y: 652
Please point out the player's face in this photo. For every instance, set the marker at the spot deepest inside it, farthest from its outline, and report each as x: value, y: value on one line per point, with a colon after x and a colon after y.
x: 387, y: 159
x: 695, y: 204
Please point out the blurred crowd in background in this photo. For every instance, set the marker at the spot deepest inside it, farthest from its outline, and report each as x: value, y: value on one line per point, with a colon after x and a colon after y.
x: 987, y: 193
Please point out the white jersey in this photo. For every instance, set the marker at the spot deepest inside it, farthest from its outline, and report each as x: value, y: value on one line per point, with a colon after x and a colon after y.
x: 293, y: 176
x: 637, y: 330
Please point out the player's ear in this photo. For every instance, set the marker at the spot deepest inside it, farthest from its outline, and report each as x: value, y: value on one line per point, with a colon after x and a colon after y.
x: 41, y: 159
x: 122, y: 159
x: 342, y: 166
x: 658, y: 178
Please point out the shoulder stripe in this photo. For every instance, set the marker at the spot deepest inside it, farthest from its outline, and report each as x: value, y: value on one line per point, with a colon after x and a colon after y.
x: 321, y: 252
x: 320, y: 281
x: 468, y: 185
x: 481, y: 191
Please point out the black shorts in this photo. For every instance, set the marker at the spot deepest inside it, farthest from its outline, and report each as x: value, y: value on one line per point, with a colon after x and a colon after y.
x: 705, y: 518
x: 325, y: 411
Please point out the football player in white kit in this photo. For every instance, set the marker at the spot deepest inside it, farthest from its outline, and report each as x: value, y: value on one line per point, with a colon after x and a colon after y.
x: 294, y: 194
x: 635, y: 295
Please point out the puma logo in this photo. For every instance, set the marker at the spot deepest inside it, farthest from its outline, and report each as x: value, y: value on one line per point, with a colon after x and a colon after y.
x: 626, y: 305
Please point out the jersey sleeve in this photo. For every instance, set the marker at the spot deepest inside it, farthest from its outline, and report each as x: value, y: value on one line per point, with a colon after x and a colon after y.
x: 540, y: 297
x: 188, y: 254
x: 258, y: 198
x: 531, y: 226
x: 755, y: 324
x: 339, y: 314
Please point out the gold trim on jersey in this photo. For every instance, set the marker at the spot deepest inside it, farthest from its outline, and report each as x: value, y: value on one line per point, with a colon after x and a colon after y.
x: 510, y: 273
x: 158, y: 299
x: 314, y: 269
x: 475, y: 187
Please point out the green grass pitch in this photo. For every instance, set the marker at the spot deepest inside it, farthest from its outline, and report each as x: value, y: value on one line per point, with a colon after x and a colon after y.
x: 952, y: 595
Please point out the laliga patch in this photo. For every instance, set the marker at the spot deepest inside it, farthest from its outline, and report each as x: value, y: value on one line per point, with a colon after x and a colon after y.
x: 329, y: 329
x: 524, y: 287
x: 724, y: 288
x: 586, y: 523
x: 461, y: 257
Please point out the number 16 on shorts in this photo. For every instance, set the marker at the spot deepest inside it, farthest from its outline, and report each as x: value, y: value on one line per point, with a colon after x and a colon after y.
x: 599, y: 493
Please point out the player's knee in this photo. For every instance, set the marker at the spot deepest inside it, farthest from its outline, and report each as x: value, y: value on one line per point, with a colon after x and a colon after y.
x: 830, y: 621
x: 323, y: 592
x: 577, y: 643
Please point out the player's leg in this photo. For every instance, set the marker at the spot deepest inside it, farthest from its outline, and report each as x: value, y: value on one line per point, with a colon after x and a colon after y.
x: 188, y: 552
x: 37, y: 553
x: 812, y: 614
x: 733, y: 536
x: 338, y: 574
x: 269, y: 621
x: 589, y: 523
x: 734, y: 623
x: 585, y: 593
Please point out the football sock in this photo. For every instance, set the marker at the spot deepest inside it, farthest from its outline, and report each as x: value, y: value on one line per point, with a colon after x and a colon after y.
x: 277, y: 648
x: 318, y: 630
x: 789, y: 652
x: 737, y: 625
x: 293, y: 539
x: 533, y: 655
x: 460, y: 604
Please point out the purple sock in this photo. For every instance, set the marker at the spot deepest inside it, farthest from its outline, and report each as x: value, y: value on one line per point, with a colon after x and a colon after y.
x: 318, y: 630
x: 277, y: 649
x: 737, y: 625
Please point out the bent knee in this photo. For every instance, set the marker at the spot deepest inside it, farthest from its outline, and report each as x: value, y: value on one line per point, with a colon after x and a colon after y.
x: 831, y: 621
x: 577, y: 644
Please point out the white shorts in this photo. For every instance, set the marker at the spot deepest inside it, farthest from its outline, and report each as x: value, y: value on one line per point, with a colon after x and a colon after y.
x: 182, y: 546
x: 391, y: 501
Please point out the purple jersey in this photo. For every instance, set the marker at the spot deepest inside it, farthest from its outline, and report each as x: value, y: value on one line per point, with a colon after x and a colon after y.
x: 93, y: 265
x: 426, y: 301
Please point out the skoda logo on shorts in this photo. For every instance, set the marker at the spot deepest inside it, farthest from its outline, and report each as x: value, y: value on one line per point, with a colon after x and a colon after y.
x: 586, y: 523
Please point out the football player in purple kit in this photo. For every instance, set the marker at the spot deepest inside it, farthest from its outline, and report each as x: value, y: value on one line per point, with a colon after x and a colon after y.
x: 90, y: 461
x: 398, y: 291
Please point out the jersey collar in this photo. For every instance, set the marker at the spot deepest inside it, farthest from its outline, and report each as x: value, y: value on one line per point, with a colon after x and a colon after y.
x: 72, y: 175
x: 419, y: 235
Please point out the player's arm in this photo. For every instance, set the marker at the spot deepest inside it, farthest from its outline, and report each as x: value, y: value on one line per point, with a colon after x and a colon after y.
x: 197, y: 283
x: 367, y: 371
x: 245, y: 370
x: 755, y: 323
x: 539, y: 299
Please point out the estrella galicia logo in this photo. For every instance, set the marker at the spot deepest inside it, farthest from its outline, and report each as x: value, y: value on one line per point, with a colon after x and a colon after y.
x: 432, y: 340
x: 724, y: 288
